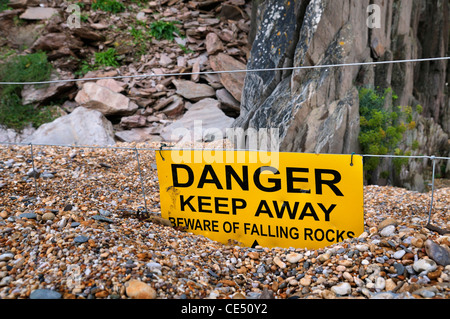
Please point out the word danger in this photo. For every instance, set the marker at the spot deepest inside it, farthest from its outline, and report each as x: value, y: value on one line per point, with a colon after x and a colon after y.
x: 231, y: 177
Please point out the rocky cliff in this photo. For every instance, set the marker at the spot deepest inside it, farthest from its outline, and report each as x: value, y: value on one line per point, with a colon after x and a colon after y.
x: 317, y: 110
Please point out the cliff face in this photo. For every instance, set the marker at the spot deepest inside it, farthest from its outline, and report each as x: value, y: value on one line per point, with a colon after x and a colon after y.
x: 317, y: 110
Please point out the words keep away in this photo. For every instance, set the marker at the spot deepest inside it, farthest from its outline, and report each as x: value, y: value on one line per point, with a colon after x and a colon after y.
x: 304, y: 201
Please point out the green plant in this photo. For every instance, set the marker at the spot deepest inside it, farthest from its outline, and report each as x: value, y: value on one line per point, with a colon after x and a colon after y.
x: 163, y: 30
x: 4, y: 5
x: 185, y: 49
x: 112, y: 6
x: 25, y: 68
x: 106, y: 58
x: 101, y: 59
x: 380, y: 130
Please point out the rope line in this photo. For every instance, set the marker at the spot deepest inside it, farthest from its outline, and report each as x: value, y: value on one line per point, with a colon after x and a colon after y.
x: 229, y: 71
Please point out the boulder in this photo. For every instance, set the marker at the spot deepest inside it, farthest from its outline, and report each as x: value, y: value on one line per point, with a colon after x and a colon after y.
x: 103, y: 99
x: 81, y: 127
x: 204, y: 120
x: 143, y: 134
x: 10, y: 135
x: 38, y: 13
x: 32, y: 94
x: 233, y: 82
x: 57, y: 41
x: 213, y: 43
x: 193, y: 91
x: 133, y: 121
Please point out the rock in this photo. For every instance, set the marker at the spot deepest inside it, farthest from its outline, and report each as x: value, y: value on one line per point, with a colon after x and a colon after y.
x: 390, y: 284
x: 342, y: 289
x: 28, y: 215
x: 387, y: 231
x: 104, y: 100
x: 81, y: 127
x: 233, y: 82
x: 201, y: 120
x: 386, y: 222
x: 9, y: 135
x: 87, y: 34
x: 213, y: 43
x: 293, y: 258
x: 42, y: 94
x: 424, y: 265
x: 227, y: 100
x: 112, y: 84
x: 143, y: 134
x: 277, y: 261
x: 136, y: 289
x: 417, y: 242
x: 102, y: 218
x: 57, y: 41
x: 305, y: 281
x: 6, y: 256
x: 45, y: 294
x: 48, y: 216
x: 380, y: 283
x: 438, y: 253
x: 165, y: 60
x: 133, y: 121
x: 175, y: 108
x: 80, y: 239
x: 34, y: 173
x: 38, y: 13
x: 193, y: 91
x: 399, y: 254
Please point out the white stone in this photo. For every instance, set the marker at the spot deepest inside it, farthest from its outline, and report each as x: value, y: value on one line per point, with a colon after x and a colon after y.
x: 293, y: 257
x: 342, y: 289
x: 399, y: 254
x: 81, y: 127
x: 387, y: 231
x: 424, y: 265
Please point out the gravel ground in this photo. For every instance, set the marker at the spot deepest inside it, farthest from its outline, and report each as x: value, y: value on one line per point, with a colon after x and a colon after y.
x: 83, y: 236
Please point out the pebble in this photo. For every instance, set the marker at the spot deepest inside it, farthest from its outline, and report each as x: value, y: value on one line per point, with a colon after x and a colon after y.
x: 277, y: 261
x: 399, y: 254
x: 387, y: 231
x: 424, y: 265
x: 48, y: 216
x: 80, y: 239
x: 45, y: 294
x: 136, y: 289
x: 169, y: 263
x: 6, y: 256
x: 28, y: 215
x: 342, y: 289
x: 293, y: 258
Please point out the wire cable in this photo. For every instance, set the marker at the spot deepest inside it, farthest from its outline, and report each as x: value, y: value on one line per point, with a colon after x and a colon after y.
x: 228, y: 71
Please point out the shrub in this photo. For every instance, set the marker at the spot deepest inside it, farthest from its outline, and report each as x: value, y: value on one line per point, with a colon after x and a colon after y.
x: 112, y: 6
x: 27, y: 68
x: 102, y: 59
x: 163, y: 30
x: 380, y: 130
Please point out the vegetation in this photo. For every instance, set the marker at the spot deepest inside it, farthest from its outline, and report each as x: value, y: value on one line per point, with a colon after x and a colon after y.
x: 112, y: 6
x: 102, y: 59
x: 26, y: 68
x: 163, y: 30
x: 4, y: 5
x: 380, y: 130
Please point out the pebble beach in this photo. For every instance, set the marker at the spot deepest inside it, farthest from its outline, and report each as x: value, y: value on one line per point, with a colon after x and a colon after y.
x: 74, y: 228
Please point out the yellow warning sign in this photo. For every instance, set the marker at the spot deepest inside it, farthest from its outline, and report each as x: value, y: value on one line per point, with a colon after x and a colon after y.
x: 302, y: 201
